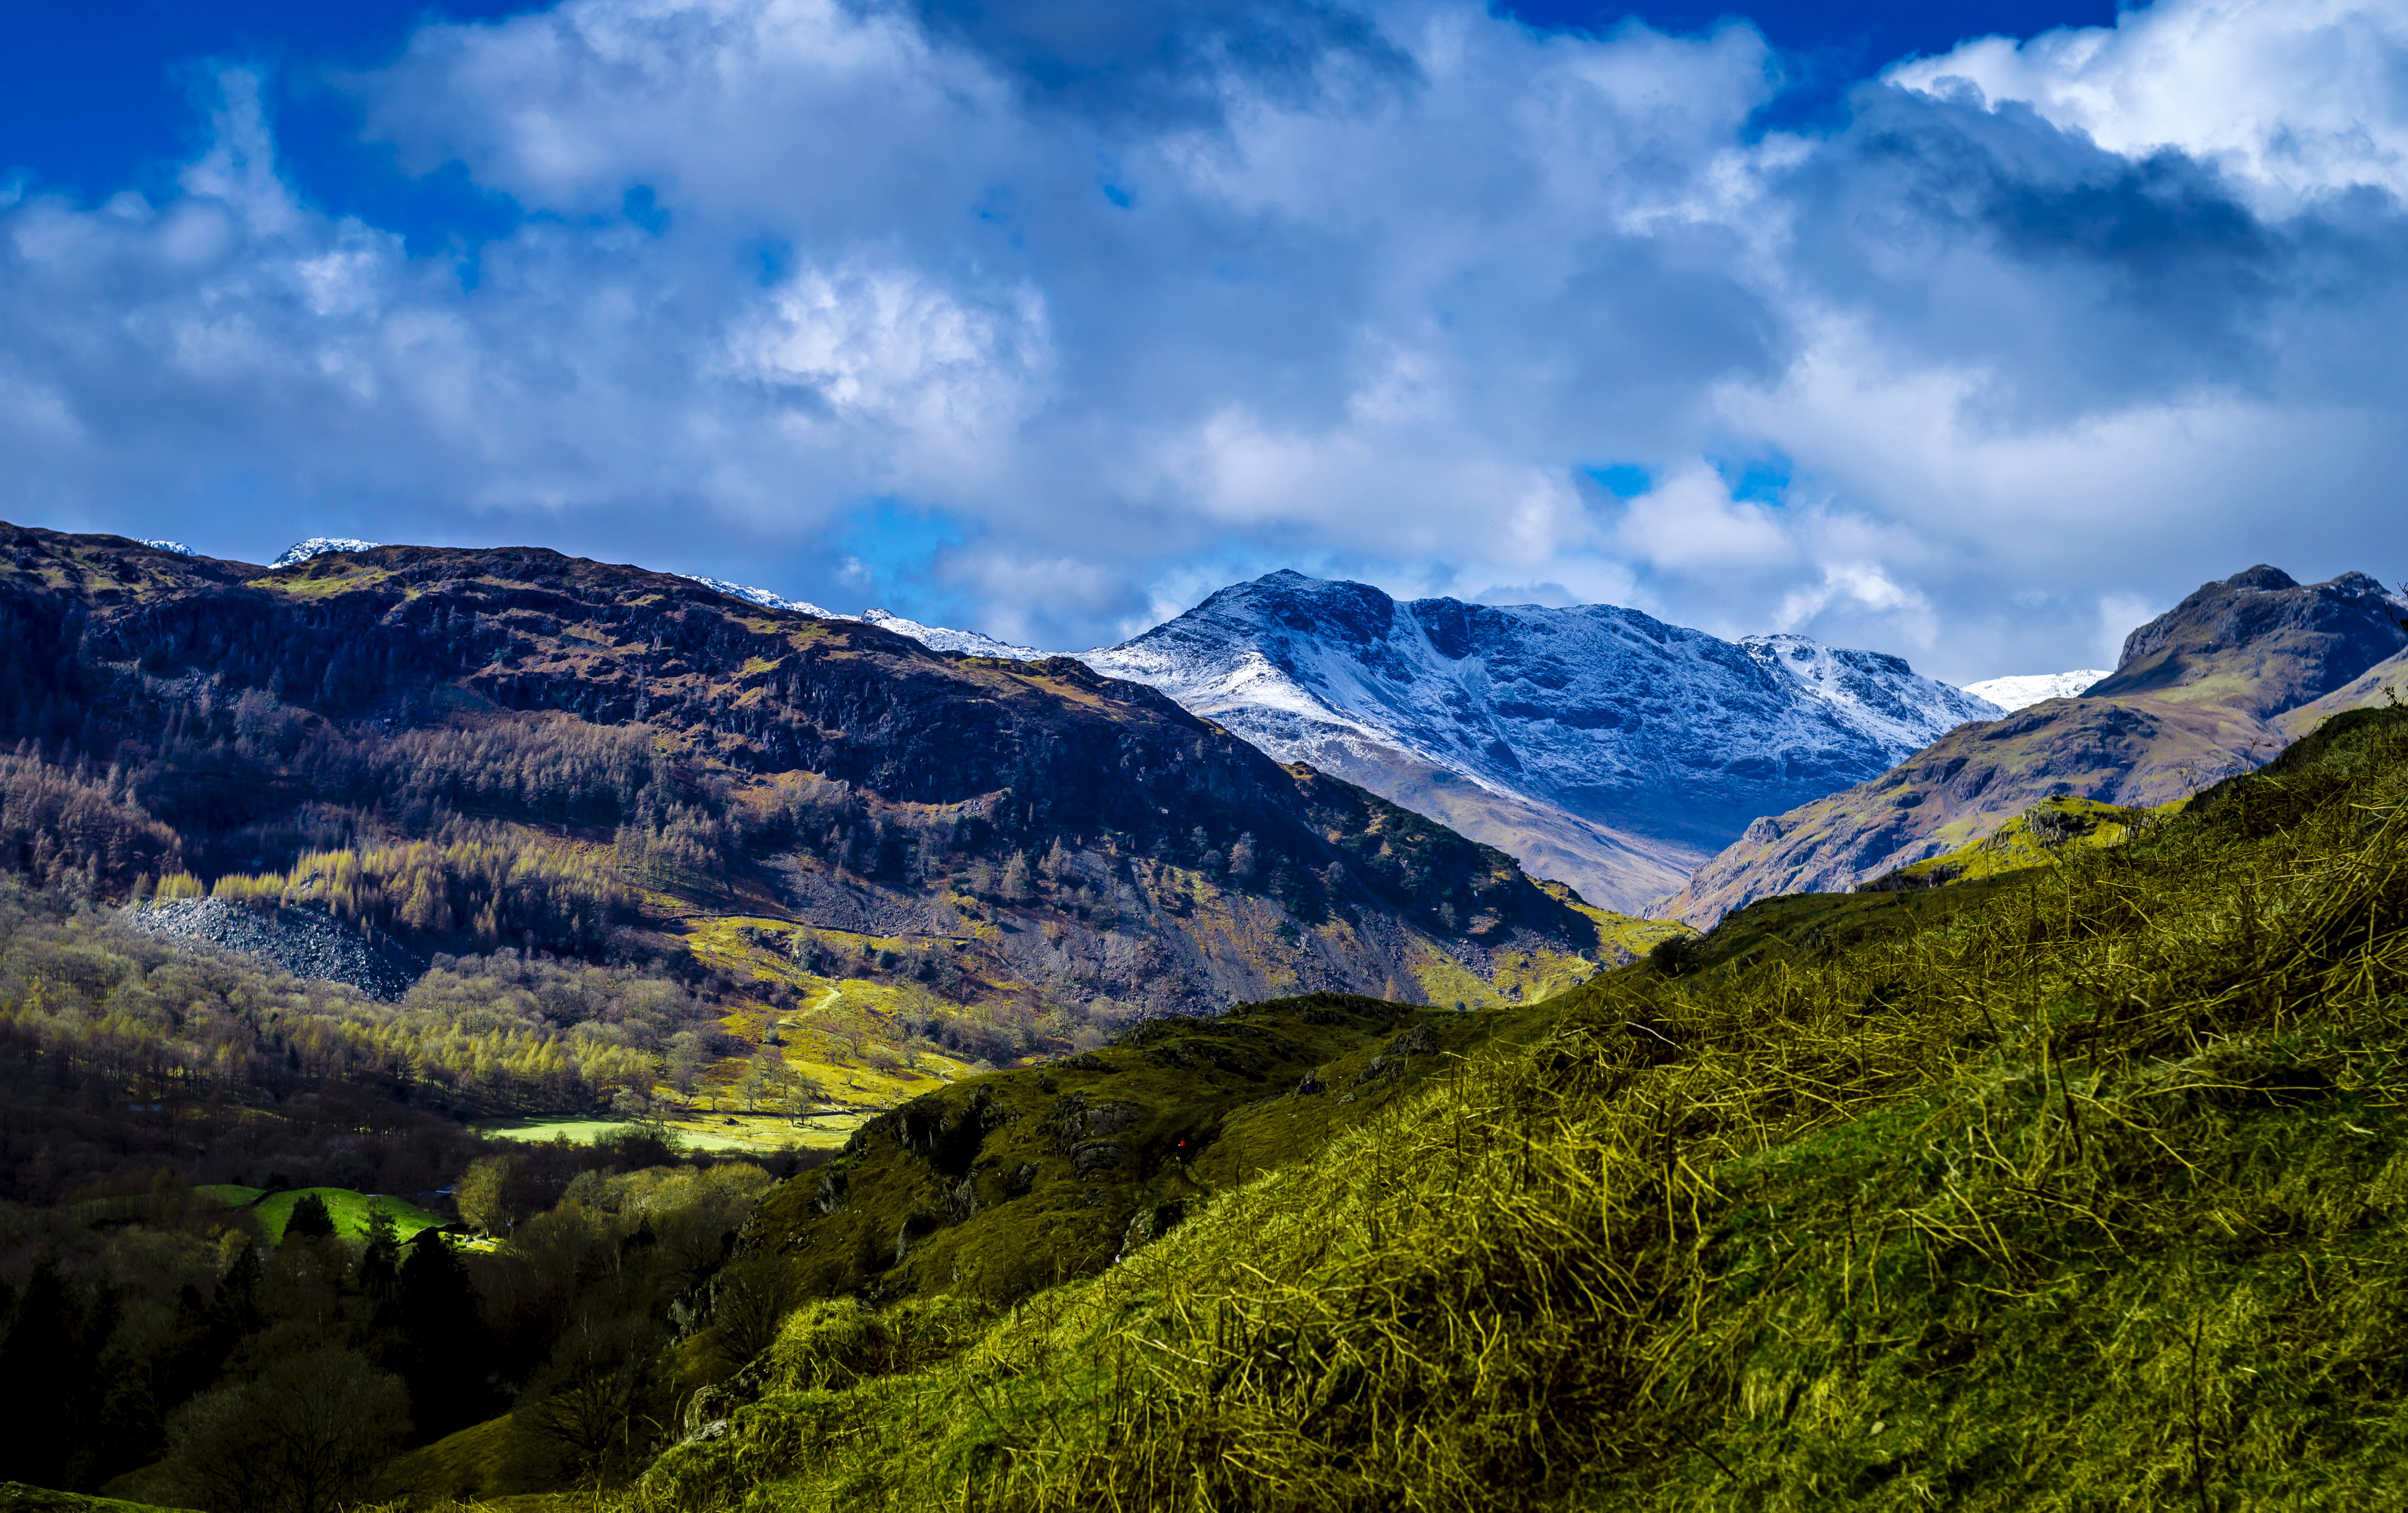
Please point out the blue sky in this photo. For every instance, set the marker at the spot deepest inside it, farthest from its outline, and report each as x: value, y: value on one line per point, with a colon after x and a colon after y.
x: 1972, y: 332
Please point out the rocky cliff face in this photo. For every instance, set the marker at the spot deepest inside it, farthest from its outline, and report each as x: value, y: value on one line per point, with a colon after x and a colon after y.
x: 2218, y: 684
x: 1599, y: 745
x: 1032, y: 833
x: 2259, y: 642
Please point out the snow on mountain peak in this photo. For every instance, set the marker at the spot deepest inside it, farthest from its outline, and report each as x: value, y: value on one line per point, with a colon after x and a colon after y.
x: 319, y: 546
x: 1599, y: 745
x: 166, y: 545
x: 936, y: 637
x: 2026, y: 689
x: 763, y: 598
x: 941, y: 639
x: 1877, y: 692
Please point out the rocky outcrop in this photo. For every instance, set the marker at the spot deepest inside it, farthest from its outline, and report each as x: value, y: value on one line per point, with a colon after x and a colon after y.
x: 2216, y: 685
x: 307, y: 943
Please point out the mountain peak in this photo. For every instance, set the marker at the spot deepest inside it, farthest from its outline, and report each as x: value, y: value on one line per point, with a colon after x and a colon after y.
x: 2260, y: 641
x: 936, y: 637
x: 1601, y: 747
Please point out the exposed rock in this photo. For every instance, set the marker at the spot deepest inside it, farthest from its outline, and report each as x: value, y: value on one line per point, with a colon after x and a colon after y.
x: 2216, y: 685
x: 307, y: 943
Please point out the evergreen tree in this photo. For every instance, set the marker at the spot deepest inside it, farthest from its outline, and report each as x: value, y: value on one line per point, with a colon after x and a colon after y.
x: 449, y: 1352
x: 309, y: 1221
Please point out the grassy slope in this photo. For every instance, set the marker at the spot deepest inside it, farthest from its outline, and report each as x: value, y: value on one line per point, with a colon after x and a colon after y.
x: 350, y: 1210
x: 1014, y: 1180
x: 2035, y: 838
x: 2079, y: 1188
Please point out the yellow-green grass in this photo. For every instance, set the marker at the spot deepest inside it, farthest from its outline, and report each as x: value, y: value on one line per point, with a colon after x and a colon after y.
x: 1631, y: 932
x: 471, y: 1462
x: 2025, y: 842
x: 544, y: 1132
x: 732, y: 1132
x: 16, y: 1497
x: 350, y: 1211
x: 2086, y: 1188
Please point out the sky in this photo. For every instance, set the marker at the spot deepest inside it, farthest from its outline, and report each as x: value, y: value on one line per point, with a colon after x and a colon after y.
x: 1974, y: 333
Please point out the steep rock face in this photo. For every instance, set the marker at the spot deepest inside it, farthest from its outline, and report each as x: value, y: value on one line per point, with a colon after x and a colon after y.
x: 1599, y: 745
x: 2216, y: 685
x: 2259, y: 642
x: 1167, y: 864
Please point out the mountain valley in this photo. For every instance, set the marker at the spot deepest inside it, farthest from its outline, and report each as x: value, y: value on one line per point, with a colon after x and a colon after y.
x: 1000, y: 1081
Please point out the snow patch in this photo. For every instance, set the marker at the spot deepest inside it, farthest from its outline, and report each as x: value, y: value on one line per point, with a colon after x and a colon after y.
x: 2026, y: 689
x: 317, y: 546
x: 936, y: 637
x: 177, y: 547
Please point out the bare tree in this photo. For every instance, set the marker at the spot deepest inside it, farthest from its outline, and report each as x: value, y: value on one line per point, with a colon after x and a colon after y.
x: 302, y: 1437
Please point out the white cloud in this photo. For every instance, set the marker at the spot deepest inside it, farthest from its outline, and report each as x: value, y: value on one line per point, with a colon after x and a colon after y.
x: 1373, y: 312
x: 2296, y: 99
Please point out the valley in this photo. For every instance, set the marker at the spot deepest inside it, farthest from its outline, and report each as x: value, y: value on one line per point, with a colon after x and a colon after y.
x: 638, y: 1046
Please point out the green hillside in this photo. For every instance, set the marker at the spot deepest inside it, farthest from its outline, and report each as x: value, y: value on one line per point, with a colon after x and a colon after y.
x: 349, y: 1210
x: 2078, y: 1188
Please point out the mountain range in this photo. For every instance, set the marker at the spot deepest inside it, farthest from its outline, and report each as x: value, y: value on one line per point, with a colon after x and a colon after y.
x: 649, y: 761
x: 1600, y: 746
x: 2218, y: 684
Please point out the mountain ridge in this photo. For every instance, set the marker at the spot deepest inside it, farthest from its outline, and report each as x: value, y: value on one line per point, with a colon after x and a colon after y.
x: 1600, y: 745
x: 958, y: 835
x: 2201, y: 692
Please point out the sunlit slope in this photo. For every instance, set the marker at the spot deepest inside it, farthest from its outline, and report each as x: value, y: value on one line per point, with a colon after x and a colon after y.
x: 2077, y: 1188
x: 2215, y: 685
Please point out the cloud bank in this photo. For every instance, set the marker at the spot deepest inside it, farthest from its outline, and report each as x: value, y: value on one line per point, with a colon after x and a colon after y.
x: 1048, y: 320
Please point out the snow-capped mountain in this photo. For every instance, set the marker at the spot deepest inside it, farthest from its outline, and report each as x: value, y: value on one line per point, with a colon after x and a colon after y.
x: 936, y: 637
x: 177, y: 547
x: 763, y: 598
x: 941, y: 639
x: 1599, y: 745
x: 319, y: 546
x: 2024, y: 690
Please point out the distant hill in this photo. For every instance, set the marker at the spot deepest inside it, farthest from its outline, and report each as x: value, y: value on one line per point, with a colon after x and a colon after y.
x: 2205, y: 690
x: 465, y: 750
x: 1598, y: 745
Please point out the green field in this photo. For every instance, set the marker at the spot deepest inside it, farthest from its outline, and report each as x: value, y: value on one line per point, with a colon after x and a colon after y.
x: 544, y: 1131
x: 348, y: 1209
x: 753, y: 1134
